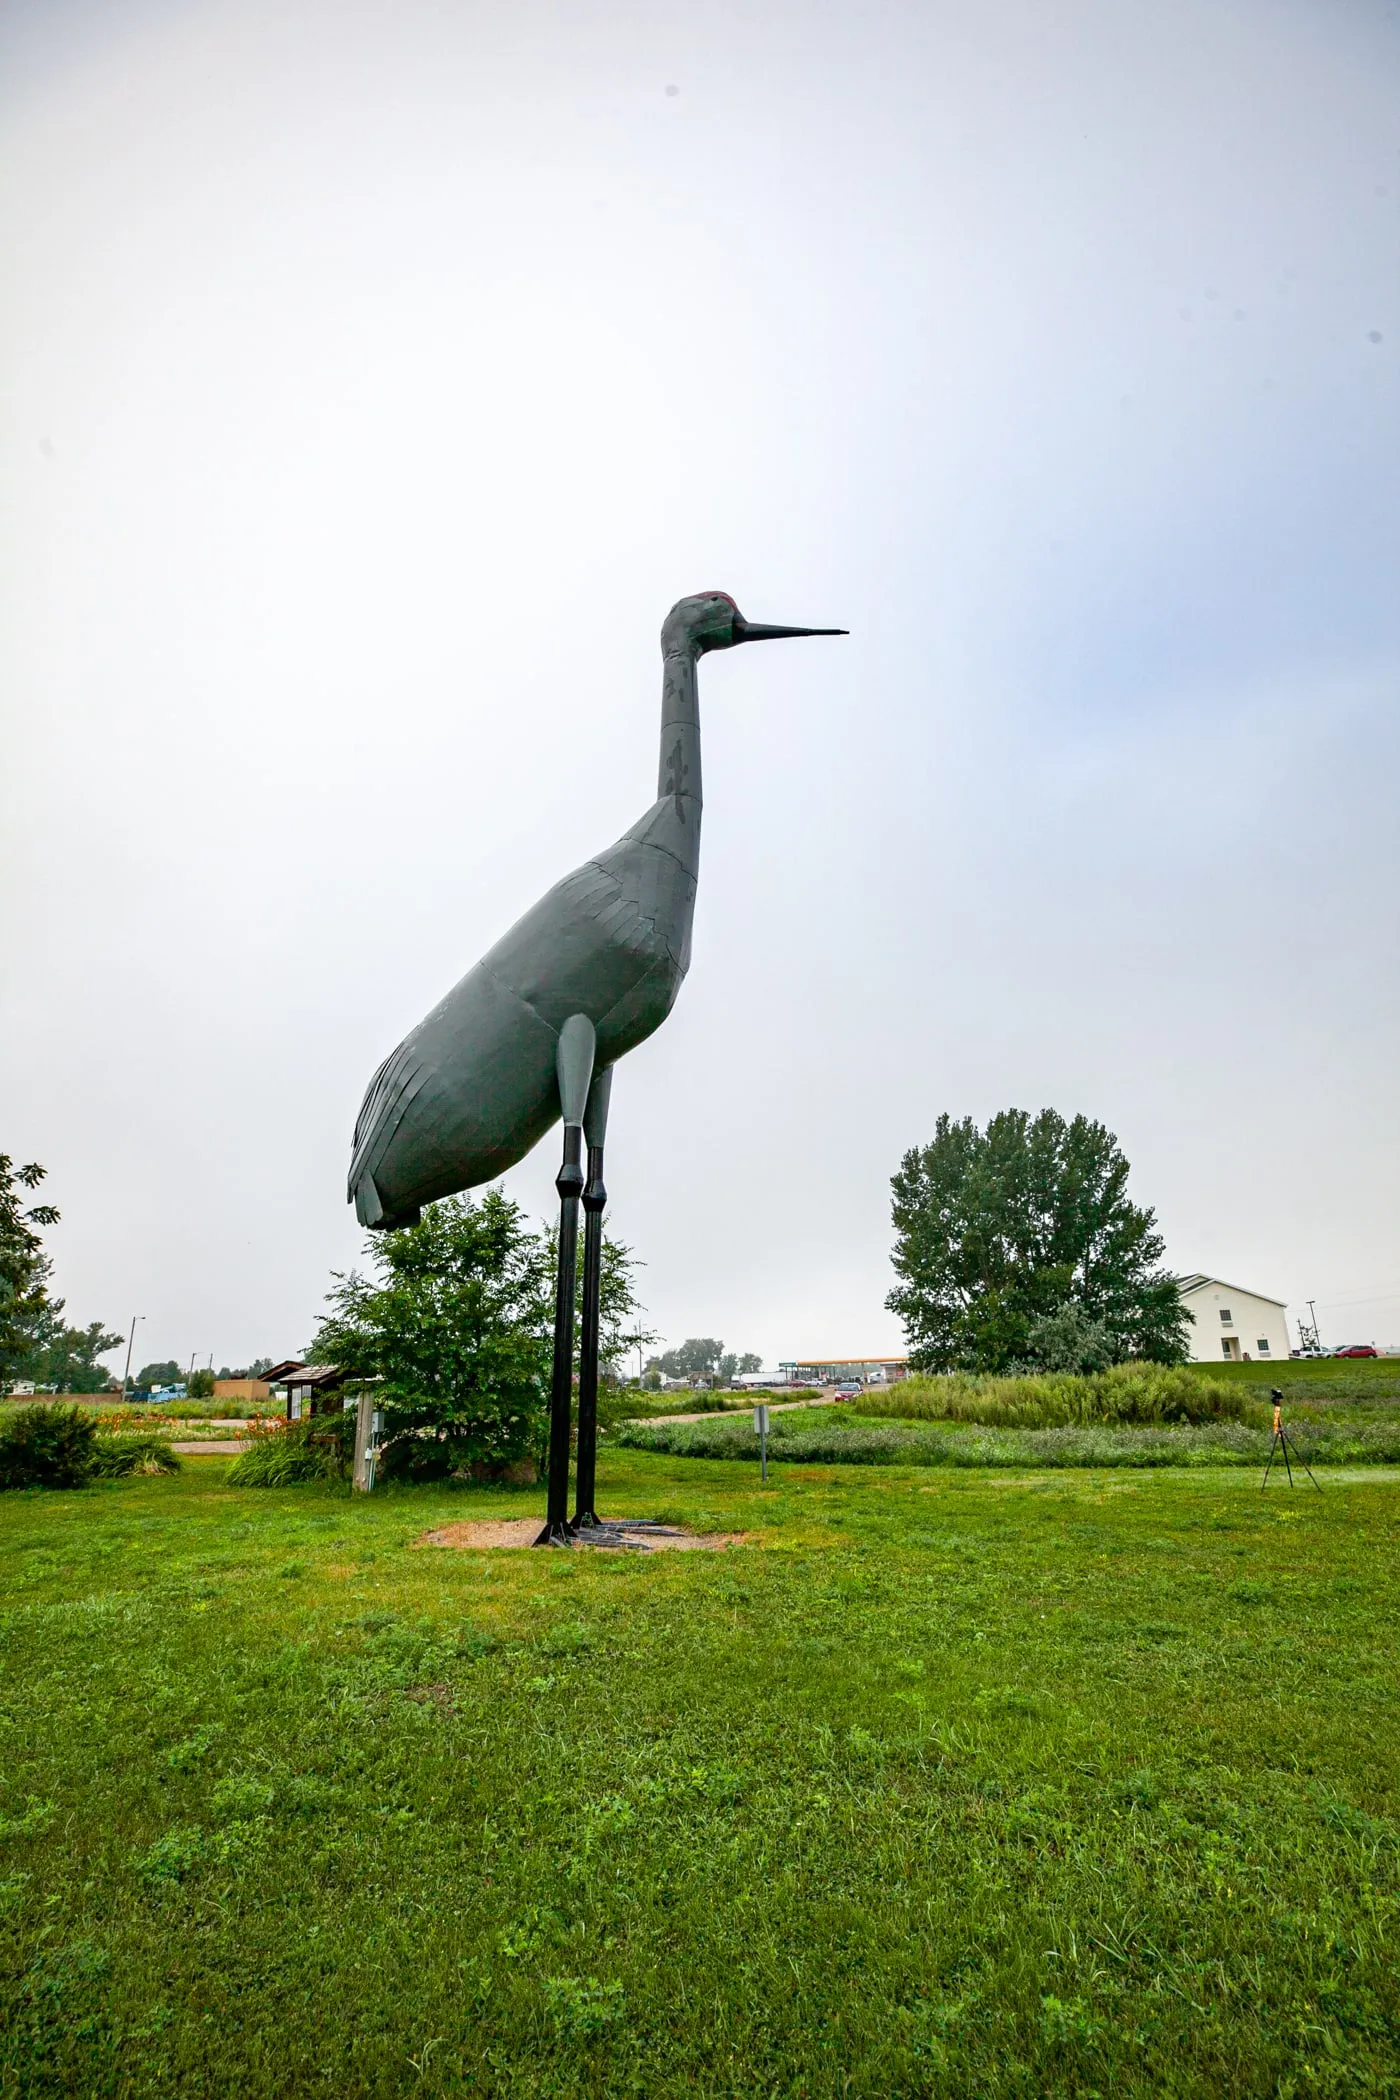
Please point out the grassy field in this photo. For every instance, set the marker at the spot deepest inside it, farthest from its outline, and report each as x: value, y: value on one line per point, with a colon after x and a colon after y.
x: 949, y: 1782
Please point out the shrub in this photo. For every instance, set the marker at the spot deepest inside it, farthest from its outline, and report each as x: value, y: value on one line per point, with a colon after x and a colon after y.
x: 1143, y: 1393
x: 824, y: 1439
x: 114, y: 1457
x: 60, y: 1447
x: 47, y: 1447
x: 283, y: 1457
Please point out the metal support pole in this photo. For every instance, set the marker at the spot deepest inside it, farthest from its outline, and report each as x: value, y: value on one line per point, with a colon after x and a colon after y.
x: 595, y: 1196
x: 131, y: 1344
x: 575, y: 1071
x: 569, y: 1184
x: 760, y: 1423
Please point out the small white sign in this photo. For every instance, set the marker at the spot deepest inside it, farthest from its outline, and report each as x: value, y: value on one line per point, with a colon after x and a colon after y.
x: 760, y: 1421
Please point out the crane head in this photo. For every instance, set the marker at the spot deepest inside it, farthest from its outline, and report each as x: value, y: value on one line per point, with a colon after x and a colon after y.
x: 711, y: 620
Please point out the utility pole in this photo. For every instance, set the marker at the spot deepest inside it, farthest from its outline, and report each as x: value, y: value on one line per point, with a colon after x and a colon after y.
x: 126, y: 1374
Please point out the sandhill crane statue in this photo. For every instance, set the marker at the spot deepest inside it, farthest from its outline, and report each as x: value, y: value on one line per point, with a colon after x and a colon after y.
x: 533, y: 1032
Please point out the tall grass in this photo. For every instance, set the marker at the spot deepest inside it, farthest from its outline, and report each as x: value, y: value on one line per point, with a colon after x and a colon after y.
x: 282, y: 1456
x: 1148, y: 1395
x: 824, y: 1438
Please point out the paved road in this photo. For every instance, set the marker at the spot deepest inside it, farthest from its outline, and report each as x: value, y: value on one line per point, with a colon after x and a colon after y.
x: 227, y: 1446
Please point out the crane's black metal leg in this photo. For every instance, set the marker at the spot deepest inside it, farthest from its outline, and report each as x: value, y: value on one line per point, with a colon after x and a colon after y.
x: 1273, y: 1446
x: 595, y: 1196
x: 569, y: 1184
x: 574, y: 1068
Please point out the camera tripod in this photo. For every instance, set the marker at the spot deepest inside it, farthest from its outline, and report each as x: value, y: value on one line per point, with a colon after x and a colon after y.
x: 1280, y: 1442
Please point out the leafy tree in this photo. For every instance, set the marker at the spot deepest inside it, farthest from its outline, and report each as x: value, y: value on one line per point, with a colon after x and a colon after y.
x: 168, y: 1373
x: 200, y: 1385
x: 457, y: 1322
x: 696, y: 1358
x: 619, y: 1309
x: 702, y: 1357
x: 1001, y: 1231
x: 68, y: 1360
x: 28, y: 1316
x: 1067, y: 1340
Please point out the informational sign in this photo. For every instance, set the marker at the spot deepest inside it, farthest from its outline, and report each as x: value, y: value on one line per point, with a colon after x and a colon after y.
x: 760, y: 1425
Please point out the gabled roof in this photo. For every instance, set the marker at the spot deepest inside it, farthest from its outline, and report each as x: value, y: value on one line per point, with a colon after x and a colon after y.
x: 294, y: 1372
x: 1187, y: 1284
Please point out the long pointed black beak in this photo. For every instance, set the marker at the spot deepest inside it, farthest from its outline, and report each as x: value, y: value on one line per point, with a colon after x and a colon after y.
x: 754, y: 631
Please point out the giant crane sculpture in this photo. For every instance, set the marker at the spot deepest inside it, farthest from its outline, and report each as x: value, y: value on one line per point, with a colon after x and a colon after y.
x: 533, y: 1032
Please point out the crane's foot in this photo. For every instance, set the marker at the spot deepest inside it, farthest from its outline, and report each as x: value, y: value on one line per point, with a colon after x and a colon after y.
x: 555, y: 1535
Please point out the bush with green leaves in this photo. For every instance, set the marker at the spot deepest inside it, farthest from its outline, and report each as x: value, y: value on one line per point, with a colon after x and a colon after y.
x: 60, y: 1447
x: 456, y: 1327
x: 45, y: 1446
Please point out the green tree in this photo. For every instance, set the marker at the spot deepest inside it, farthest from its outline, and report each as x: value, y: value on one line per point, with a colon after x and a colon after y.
x: 29, y: 1318
x: 702, y: 1356
x: 999, y: 1231
x: 167, y: 1373
x: 619, y: 1309
x: 68, y: 1359
x: 200, y: 1385
x: 457, y: 1324
x: 696, y: 1357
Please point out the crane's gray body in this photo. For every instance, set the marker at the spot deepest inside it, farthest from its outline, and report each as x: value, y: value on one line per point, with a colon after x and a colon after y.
x: 474, y: 1087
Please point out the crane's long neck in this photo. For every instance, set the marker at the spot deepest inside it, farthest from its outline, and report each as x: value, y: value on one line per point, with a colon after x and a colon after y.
x: 678, y: 776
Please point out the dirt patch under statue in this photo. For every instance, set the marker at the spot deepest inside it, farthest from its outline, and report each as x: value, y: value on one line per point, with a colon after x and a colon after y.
x: 639, y: 1535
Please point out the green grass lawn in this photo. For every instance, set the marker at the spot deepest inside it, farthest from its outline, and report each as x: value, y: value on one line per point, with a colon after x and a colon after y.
x: 952, y: 1782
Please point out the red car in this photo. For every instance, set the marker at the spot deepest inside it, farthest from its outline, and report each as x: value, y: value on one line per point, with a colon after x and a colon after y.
x: 1357, y: 1349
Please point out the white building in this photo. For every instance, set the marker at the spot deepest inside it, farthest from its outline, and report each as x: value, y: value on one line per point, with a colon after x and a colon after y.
x: 1232, y: 1326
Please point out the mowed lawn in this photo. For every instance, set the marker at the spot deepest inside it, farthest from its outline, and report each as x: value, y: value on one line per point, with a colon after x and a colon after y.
x: 946, y: 1783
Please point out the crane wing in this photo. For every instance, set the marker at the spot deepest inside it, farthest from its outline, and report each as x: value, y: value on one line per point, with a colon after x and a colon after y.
x: 382, y: 1110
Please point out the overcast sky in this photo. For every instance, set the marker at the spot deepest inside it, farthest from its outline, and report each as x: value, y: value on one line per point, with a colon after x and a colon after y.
x: 376, y: 373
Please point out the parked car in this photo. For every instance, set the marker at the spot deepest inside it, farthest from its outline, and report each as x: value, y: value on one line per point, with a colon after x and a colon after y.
x: 848, y: 1388
x: 1357, y: 1349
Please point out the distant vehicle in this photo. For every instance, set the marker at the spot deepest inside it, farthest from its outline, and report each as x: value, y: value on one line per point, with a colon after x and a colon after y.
x: 1357, y: 1349
x: 848, y: 1388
